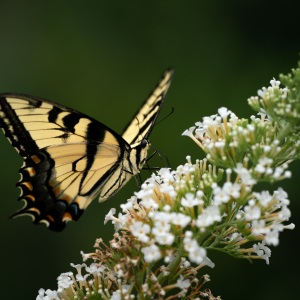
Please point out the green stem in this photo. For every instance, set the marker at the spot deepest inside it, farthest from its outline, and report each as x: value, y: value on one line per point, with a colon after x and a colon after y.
x: 172, y: 266
x: 284, y: 132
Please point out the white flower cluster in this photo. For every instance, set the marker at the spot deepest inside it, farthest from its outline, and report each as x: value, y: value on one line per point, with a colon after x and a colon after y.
x: 173, y: 210
x: 273, y: 94
x: 160, y: 216
x: 266, y: 212
x: 230, y: 141
x: 67, y: 281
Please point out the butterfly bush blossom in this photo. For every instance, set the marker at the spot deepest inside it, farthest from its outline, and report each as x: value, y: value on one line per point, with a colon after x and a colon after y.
x: 166, y: 231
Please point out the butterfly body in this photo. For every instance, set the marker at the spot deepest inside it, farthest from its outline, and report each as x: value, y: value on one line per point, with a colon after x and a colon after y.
x: 69, y: 157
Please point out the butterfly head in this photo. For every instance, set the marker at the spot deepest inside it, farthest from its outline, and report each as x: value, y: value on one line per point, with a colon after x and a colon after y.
x: 138, y: 155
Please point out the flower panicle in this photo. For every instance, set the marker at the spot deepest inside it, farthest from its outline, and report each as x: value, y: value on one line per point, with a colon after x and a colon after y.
x: 174, y: 225
x: 266, y: 143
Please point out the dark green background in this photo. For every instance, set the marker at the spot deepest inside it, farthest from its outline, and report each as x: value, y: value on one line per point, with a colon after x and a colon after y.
x: 103, y: 58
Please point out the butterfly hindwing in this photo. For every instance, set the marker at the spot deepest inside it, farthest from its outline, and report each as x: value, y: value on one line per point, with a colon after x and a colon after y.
x: 69, y: 158
x: 63, y: 153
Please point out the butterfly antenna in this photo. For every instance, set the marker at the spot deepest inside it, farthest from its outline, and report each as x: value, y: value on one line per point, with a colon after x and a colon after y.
x: 163, y: 157
x: 165, y: 117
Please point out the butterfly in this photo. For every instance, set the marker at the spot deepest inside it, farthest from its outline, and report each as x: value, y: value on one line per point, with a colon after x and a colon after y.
x: 69, y: 157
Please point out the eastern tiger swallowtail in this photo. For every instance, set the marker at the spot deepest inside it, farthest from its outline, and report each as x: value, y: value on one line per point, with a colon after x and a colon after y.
x: 69, y: 157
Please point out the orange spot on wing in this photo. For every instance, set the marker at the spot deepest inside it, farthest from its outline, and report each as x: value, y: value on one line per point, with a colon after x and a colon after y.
x: 51, y: 219
x: 36, y: 159
x: 56, y: 191
x: 66, y: 198
x: 67, y: 217
x: 30, y: 197
x: 34, y: 209
x: 28, y: 185
x: 30, y: 171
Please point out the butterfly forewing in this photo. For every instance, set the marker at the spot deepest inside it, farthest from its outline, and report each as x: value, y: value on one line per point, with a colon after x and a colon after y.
x: 69, y: 158
x: 141, y: 125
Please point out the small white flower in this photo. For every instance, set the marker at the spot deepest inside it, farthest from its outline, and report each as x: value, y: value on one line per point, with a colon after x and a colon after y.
x: 281, y: 195
x: 262, y: 251
x: 224, y: 112
x: 161, y: 216
x: 168, y: 189
x: 259, y: 227
x: 166, y: 175
x: 233, y: 189
x: 210, y: 215
x: 284, y: 214
x: 85, y: 256
x: 287, y: 174
x: 116, y: 295
x: 261, y: 92
x: 81, y: 278
x: 41, y: 294
x: 212, y: 121
x: 190, y: 200
x: 185, y: 262
x: 264, y: 197
x: 278, y: 172
x: 220, y: 144
x: 164, y: 238
x: 220, y: 196
x: 200, y: 133
x: 95, y: 269
x: 167, y: 208
x: 151, y: 253
x: 47, y: 295
x: 183, y: 283
x: 252, y: 212
x: 162, y: 225
x: 272, y: 238
x: 190, y: 244
x: 245, y: 175
x: 148, y: 202
x: 189, y: 132
x: 64, y: 280
x: 180, y: 219
x: 267, y: 148
x: 265, y: 161
x: 140, y: 231
x: 274, y: 82
x: 208, y: 262
x: 290, y: 226
x: 185, y: 169
x: 110, y: 215
x: 130, y: 203
x: 199, y: 194
x: 197, y: 255
x: 120, y: 221
x: 260, y: 169
x: 251, y: 128
x: 188, y: 234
